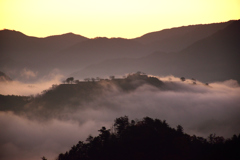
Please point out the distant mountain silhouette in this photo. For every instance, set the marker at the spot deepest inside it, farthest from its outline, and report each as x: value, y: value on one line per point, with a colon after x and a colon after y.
x: 99, y: 49
x: 216, y: 56
x: 176, y: 39
x: 14, y: 42
x: 152, y: 53
x: 213, y: 58
x: 21, y: 51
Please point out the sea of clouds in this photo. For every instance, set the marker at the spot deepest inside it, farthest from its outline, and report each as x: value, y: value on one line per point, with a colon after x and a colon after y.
x: 201, y: 109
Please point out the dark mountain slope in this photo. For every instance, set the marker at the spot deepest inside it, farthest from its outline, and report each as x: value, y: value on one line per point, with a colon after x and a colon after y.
x: 217, y: 56
x: 18, y: 51
x: 214, y: 58
x: 176, y: 39
x: 71, y: 52
x: 96, y: 50
x: 99, y: 49
x: 14, y: 42
x: 158, y: 62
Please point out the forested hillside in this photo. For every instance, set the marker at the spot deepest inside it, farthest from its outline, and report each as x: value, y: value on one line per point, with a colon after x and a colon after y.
x: 151, y: 139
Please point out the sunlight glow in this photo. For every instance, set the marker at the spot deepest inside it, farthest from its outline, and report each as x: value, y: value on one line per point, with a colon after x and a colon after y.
x: 111, y: 18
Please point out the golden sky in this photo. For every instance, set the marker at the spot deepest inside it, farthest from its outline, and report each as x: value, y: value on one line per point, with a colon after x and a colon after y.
x: 111, y: 18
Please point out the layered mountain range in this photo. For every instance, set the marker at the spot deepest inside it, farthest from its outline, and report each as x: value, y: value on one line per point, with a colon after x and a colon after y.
x: 207, y: 52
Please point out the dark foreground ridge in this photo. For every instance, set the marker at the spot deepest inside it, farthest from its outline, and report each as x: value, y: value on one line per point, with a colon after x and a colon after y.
x: 151, y: 139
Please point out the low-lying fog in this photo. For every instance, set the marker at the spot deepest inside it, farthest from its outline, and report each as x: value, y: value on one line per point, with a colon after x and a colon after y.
x: 201, y: 110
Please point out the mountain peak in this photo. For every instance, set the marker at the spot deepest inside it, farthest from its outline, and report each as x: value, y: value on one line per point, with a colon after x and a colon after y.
x: 10, y: 33
x: 68, y: 35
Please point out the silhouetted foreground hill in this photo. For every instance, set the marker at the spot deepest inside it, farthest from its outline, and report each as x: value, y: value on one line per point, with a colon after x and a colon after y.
x: 151, y: 139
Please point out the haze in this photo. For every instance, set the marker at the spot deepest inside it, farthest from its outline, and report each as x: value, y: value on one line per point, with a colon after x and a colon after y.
x: 43, y: 127
x: 63, y: 76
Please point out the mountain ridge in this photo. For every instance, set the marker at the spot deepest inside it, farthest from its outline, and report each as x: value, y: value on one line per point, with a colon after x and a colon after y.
x: 70, y: 52
x: 178, y: 37
x: 198, y: 60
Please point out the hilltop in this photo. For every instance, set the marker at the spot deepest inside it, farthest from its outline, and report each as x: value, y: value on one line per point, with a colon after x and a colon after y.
x: 74, y: 93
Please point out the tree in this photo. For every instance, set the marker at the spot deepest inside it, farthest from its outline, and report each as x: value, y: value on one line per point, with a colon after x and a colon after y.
x: 77, y: 81
x: 112, y: 77
x: 70, y: 80
x: 138, y: 73
x: 90, y: 138
x: 213, y: 139
x: 98, y: 78
x: 104, y: 133
x: 183, y: 79
x: 43, y: 158
x: 121, y: 124
x: 151, y: 139
x: 194, y: 81
x: 87, y: 79
x: 179, y: 129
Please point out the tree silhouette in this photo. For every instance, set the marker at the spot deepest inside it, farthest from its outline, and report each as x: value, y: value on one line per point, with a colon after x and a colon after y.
x: 43, y: 158
x: 112, y: 77
x: 121, y: 124
x: 93, y: 79
x: 77, y: 81
x: 180, y: 129
x: 98, y: 78
x: 183, y: 79
x: 87, y: 79
x: 70, y: 80
x: 194, y: 81
x: 151, y: 139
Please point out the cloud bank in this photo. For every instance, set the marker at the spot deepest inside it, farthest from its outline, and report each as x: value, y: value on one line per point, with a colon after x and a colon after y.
x: 20, y: 88
x: 201, y: 110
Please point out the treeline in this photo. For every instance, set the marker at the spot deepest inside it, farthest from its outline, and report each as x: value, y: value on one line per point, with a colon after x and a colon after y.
x: 126, y: 83
x: 71, y: 80
x: 72, y: 95
x: 151, y: 139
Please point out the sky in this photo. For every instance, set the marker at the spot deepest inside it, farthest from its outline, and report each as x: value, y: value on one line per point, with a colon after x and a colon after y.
x: 111, y: 18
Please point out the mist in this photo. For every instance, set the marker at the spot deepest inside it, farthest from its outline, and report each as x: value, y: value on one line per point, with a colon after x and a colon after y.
x: 17, y: 87
x: 47, y: 131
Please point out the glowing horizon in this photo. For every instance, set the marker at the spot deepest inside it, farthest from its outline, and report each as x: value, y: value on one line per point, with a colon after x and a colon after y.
x: 109, y: 18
